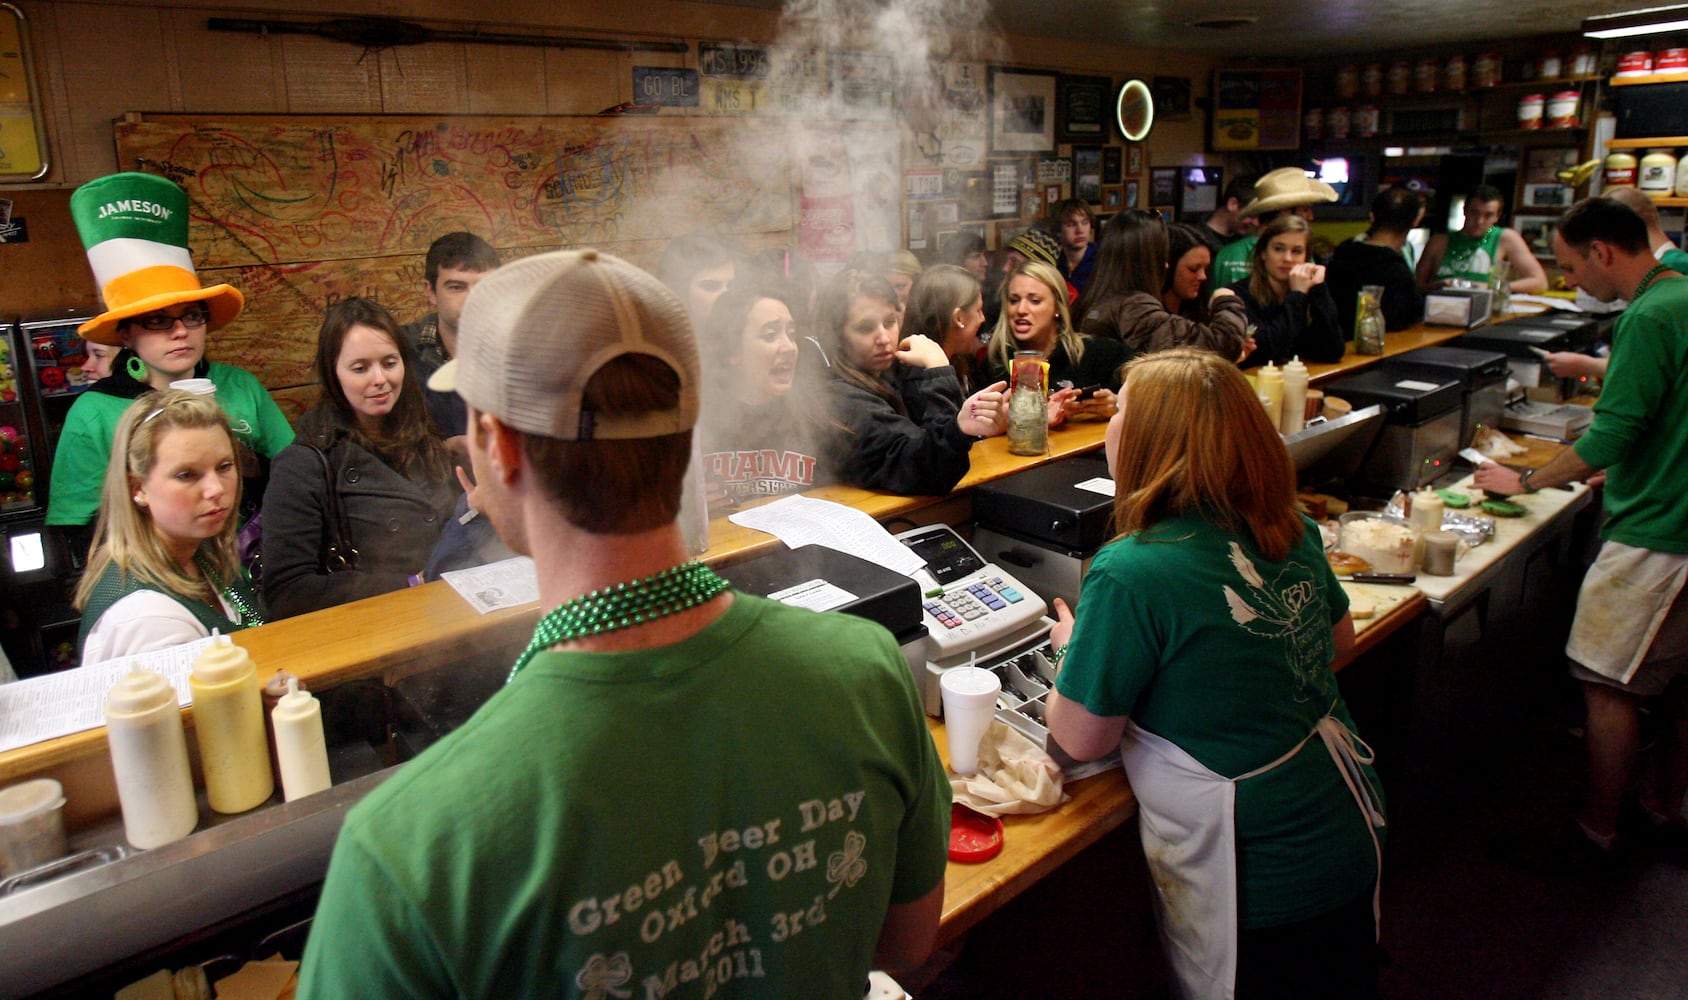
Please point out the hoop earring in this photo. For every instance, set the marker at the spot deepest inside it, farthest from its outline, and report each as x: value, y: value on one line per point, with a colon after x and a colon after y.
x: 136, y: 368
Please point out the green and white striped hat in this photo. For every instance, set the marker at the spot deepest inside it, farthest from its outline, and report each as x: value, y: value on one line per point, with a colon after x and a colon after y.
x: 135, y: 229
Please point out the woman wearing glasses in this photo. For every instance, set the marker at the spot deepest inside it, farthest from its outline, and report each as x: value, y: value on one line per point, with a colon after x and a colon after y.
x: 159, y: 315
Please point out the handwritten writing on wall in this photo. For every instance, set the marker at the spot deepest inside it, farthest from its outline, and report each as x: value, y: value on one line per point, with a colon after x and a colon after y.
x: 301, y: 211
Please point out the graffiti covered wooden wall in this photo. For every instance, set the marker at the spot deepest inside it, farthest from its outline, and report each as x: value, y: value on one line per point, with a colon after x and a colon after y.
x: 300, y: 211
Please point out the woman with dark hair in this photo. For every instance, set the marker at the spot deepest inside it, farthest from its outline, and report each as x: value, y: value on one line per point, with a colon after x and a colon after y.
x: 164, y: 568
x: 759, y: 439
x: 1127, y: 297
x: 1287, y: 299
x: 947, y: 307
x: 1189, y: 265
x: 907, y: 428
x: 367, y: 449
x: 1202, y: 654
x: 699, y: 267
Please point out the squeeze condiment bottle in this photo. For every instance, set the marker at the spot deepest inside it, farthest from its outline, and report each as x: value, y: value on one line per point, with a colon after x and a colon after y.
x: 149, y: 755
x: 300, y: 747
x: 228, y: 716
x: 1427, y: 511
x: 1294, y: 416
x: 1269, y: 383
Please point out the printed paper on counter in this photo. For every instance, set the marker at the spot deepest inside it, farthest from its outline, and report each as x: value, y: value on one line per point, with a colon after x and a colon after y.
x: 508, y: 583
x: 71, y: 701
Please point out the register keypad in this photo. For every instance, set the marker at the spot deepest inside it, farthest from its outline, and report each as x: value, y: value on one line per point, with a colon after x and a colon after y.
x: 965, y: 603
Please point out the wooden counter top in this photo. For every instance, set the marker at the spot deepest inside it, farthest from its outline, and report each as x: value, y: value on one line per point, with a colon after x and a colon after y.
x: 1398, y: 342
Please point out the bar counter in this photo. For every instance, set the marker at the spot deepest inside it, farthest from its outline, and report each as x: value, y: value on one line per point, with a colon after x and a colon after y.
x: 430, y: 627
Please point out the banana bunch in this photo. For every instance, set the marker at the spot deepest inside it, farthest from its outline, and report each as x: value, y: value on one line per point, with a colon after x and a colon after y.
x: 1578, y: 175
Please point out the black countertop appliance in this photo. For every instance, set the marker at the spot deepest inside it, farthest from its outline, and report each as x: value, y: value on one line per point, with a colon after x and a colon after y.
x: 1421, y: 433
x: 1045, y: 524
x: 1481, y: 374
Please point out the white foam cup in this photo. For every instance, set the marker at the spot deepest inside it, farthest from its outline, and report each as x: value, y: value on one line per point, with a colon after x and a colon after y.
x: 197, y: 386
x: 969, y: 705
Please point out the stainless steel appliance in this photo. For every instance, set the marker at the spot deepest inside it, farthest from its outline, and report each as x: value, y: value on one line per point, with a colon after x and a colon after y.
x: 1421, y: 432
x: 1482, y: 376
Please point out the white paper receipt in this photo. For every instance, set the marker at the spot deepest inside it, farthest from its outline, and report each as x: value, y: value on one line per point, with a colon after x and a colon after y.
x: 1415, y: 385
x: 1101, y: 484
x: 816, y: 595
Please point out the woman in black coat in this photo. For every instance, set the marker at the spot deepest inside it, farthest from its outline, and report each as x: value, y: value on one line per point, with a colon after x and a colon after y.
x: 370, y: 436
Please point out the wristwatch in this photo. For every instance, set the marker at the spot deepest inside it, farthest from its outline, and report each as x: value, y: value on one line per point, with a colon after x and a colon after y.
x: 1524, y: 480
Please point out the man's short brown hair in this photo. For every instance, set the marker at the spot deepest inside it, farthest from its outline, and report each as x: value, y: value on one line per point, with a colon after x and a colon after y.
x: 618, y: 487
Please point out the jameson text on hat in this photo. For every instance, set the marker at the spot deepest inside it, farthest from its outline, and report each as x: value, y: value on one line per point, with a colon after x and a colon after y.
x: 533, y: 333
x: 135, y: 229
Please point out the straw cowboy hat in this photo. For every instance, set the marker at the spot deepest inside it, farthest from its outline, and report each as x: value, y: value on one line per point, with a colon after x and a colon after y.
x: 1286, y: 187
x: 135, y: 229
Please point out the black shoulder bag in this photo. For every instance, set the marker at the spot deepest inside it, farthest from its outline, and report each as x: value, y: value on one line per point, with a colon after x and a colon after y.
x: 337, y: 552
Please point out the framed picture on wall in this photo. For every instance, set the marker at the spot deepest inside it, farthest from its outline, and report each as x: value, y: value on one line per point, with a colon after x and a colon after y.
x: 1087, y: 173
x: 1199, y: 189
x: 1022, y: 111
x: 1113, y: 164
x: 1084, y: 106
x: 1051, y: 193
x: 1537, y: 231
x: 1163, y: 187
x: 1172, y: 98
x: 1133, y: 191
x: 1005, y: 185
x: 1546, y: 196
x: 1113, y: 196
x: 1134, y: 160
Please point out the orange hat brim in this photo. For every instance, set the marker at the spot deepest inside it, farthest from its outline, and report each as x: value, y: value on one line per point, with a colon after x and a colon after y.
x: 225, y: 302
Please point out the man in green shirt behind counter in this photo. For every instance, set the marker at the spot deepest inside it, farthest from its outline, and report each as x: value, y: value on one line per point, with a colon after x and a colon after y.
x: 1629, y: 642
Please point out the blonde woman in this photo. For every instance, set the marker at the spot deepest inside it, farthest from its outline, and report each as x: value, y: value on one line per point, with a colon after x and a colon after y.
x: 1083, y: 370
x: 164, y: 568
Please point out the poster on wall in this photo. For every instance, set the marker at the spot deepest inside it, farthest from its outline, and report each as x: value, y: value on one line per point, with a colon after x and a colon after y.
x: 862, y: 83
x: 1255, y: 109
x: 1084, y: 103
x: 963, y: 133
x: 1022, y: 112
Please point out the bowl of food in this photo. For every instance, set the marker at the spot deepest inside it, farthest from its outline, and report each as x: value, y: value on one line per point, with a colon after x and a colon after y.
x: 1388, y: 544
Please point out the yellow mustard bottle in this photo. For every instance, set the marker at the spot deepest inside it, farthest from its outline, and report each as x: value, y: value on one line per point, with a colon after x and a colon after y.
x: 228, y: 719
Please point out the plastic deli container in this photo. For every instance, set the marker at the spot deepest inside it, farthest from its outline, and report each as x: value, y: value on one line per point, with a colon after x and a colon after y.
x: 1313, y: 123
x: 1485, y: 70
x: 1550, y: 66
x: 1637, y: 63
x: 1424, y: 75
x: 1620, y: 169
x: 1562, y: 109
x: 1400, y: 77
x: 1337, y: 121
x: 1658, y: 173
x: 31, y: 825
x: 1530, y: 110
x: 1671, y: 61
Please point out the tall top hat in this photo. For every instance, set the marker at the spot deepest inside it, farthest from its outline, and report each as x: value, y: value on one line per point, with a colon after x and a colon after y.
x: 135, y: 229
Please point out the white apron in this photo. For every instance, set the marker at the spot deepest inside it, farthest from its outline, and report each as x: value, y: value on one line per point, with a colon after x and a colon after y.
x: 1625, y: 598
x: 1187, y: 821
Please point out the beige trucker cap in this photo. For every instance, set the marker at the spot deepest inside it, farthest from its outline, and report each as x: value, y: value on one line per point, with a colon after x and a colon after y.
x: 535, y: 331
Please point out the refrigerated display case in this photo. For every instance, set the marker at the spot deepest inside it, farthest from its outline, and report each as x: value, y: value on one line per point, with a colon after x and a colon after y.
x: 41, y: 376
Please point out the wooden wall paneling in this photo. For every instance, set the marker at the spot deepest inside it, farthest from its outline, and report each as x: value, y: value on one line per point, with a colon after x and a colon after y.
x: 224, y: 72
x: 326, y: 77
x: 50, y: 82
x: 505, y: 80
x: 422, y: 79
x: 585, y: 82
x: 275, y: 337
x: 50, y: 272
x: 110, y: 58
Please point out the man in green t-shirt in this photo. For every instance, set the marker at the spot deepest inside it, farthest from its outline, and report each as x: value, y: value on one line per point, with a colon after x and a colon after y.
x: 1629, y: 642
x: 1287, y: 189
x: 681, y: 787
x: 1575, y: 364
